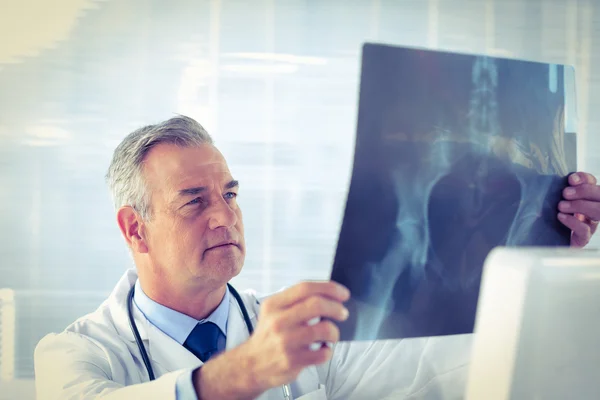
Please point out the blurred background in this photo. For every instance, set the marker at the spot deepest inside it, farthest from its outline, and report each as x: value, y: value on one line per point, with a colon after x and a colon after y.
x: 276, y: 84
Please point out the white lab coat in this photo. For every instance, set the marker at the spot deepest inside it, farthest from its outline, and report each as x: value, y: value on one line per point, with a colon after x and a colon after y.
x: 97, y: 357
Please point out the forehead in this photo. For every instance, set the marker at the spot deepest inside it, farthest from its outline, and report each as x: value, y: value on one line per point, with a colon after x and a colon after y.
x: 170, y: 167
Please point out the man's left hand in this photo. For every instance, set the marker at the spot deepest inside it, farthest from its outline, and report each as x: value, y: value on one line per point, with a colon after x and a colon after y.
x: 580, y: 209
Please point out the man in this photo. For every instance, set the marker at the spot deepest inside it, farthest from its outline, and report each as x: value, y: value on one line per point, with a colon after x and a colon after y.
x: 177, y: 211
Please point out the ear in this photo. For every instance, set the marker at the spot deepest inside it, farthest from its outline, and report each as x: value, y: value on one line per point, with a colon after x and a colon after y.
x: 132, y: 228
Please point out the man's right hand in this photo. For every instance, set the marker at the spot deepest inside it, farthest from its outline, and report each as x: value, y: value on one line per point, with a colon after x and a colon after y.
x: 280, y: 347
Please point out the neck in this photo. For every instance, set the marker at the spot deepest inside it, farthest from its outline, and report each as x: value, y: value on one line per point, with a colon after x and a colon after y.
x: 196, y: 302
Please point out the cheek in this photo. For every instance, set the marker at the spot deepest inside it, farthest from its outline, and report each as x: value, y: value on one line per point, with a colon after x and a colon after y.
x: 189, y: 235
x: 172, y: 236
x: 185, y: 244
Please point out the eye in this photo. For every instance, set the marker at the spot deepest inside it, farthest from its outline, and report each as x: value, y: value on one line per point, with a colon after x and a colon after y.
x: 197, y: 200
x: 230, y: 195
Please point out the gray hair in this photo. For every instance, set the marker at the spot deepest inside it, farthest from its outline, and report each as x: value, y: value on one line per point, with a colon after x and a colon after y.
x: 125, y: 177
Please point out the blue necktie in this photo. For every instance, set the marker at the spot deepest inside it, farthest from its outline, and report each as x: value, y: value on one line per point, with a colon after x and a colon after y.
x: 203, y: 342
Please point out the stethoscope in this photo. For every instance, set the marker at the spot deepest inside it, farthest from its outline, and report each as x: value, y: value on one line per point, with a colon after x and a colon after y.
x: 287, y: 392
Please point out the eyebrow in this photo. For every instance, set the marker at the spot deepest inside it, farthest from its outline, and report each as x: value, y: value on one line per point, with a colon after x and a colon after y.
x: 232, y: 184
x: 197, y: 190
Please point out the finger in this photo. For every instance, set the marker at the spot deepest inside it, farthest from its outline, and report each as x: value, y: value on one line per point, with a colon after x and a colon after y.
x: 591, y: 223
x: 310, y: 308
x: 581, y: 231
x: 303, y: 337
x: 590, y: 209
x: 584, y: 191
x: 581, y: 217
x: 301, y: 291
x: 579, y: 178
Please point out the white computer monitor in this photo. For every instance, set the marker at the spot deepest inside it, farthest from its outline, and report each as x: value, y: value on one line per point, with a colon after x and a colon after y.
x: 537, y: 329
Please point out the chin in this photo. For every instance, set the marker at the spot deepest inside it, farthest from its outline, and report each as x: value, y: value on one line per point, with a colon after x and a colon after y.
x: 222, y: 271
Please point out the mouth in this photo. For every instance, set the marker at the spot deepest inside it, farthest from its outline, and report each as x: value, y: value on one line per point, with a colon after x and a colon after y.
x: 223, y: 246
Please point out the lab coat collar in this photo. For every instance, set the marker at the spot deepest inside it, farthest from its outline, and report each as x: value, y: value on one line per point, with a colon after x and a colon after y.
x: 117, y: 305
x: 162, y: 349
x: 237, y: 331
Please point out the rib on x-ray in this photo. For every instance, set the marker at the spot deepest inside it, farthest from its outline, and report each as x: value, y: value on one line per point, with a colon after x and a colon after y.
x: 455, y: 154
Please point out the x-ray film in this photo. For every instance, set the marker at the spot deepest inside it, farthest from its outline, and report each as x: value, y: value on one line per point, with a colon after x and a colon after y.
x: 455, y: 154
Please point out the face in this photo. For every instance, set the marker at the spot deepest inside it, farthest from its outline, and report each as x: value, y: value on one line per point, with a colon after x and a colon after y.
x: 195, y: 234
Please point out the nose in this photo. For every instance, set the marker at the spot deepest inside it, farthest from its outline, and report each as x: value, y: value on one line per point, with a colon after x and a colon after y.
x: 221, y: 215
